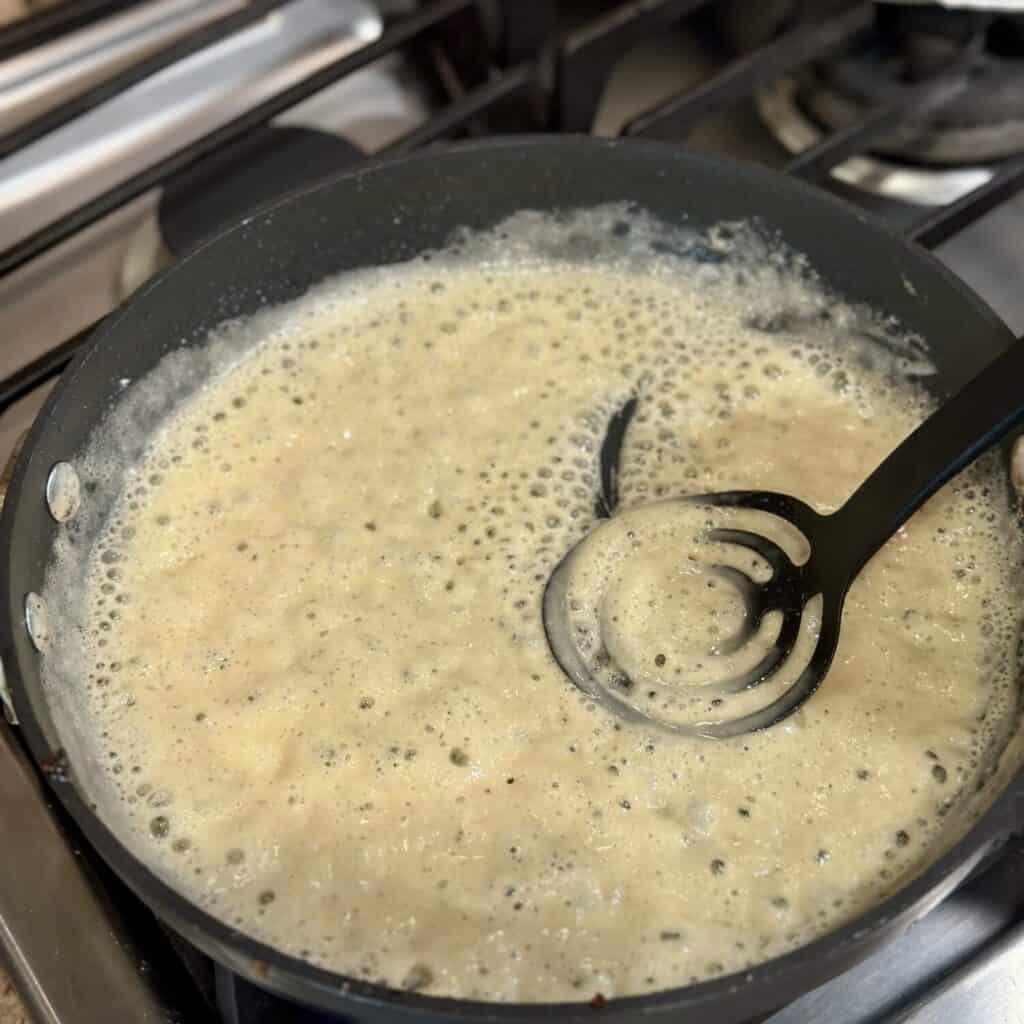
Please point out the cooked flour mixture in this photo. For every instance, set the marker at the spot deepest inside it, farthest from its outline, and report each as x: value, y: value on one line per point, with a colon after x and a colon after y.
x: 319, y: 681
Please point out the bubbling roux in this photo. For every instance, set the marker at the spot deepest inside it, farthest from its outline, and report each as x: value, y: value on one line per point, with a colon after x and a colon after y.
x: 319, y: 685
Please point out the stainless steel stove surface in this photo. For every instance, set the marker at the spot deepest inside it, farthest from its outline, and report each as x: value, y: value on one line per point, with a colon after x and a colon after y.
x: 97, y: 193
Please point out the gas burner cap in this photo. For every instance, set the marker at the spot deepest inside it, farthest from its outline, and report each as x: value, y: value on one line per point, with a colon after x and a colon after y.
x: 982, y: 122
x: 914, y: 183
x: 948, y: 149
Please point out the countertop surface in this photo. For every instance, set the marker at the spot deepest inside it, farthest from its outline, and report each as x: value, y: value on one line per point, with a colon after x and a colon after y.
x: 11, y: 1010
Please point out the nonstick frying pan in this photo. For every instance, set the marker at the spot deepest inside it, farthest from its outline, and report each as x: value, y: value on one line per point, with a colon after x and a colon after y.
x: 386, y: 213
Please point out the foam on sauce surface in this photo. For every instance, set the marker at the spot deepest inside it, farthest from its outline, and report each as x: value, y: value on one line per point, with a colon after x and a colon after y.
x: 318, y: 679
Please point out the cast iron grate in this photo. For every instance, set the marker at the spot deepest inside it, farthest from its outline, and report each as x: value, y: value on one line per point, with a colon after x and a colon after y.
x: 539, y: 80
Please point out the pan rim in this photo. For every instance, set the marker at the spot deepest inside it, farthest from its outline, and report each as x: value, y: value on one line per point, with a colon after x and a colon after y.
x: 328, y: 990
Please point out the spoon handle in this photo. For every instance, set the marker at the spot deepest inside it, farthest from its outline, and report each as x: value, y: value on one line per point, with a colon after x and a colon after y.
x: 957, y: 433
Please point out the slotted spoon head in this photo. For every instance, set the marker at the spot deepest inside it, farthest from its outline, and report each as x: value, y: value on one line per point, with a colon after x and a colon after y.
x: 980, y: 415
x: 787, y: 590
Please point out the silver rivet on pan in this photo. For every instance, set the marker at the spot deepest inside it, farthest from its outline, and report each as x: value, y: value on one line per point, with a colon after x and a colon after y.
x: 63, y: 492
x: 37, y: 621
x: 5, y: 698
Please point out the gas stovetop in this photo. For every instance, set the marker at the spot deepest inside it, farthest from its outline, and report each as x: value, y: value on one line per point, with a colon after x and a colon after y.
x: 130, y: 130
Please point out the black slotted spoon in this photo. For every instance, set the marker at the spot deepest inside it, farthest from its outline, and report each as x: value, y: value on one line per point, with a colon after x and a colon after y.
x: 841, y: 544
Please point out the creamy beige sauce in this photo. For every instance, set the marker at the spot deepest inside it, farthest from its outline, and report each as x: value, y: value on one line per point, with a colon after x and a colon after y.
x: 319, y: 679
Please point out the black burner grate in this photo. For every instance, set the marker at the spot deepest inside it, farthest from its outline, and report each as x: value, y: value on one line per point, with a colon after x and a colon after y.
x: 554, y: 85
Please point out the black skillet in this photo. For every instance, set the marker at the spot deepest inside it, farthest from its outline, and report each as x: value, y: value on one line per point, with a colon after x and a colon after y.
x: 389, y: 212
